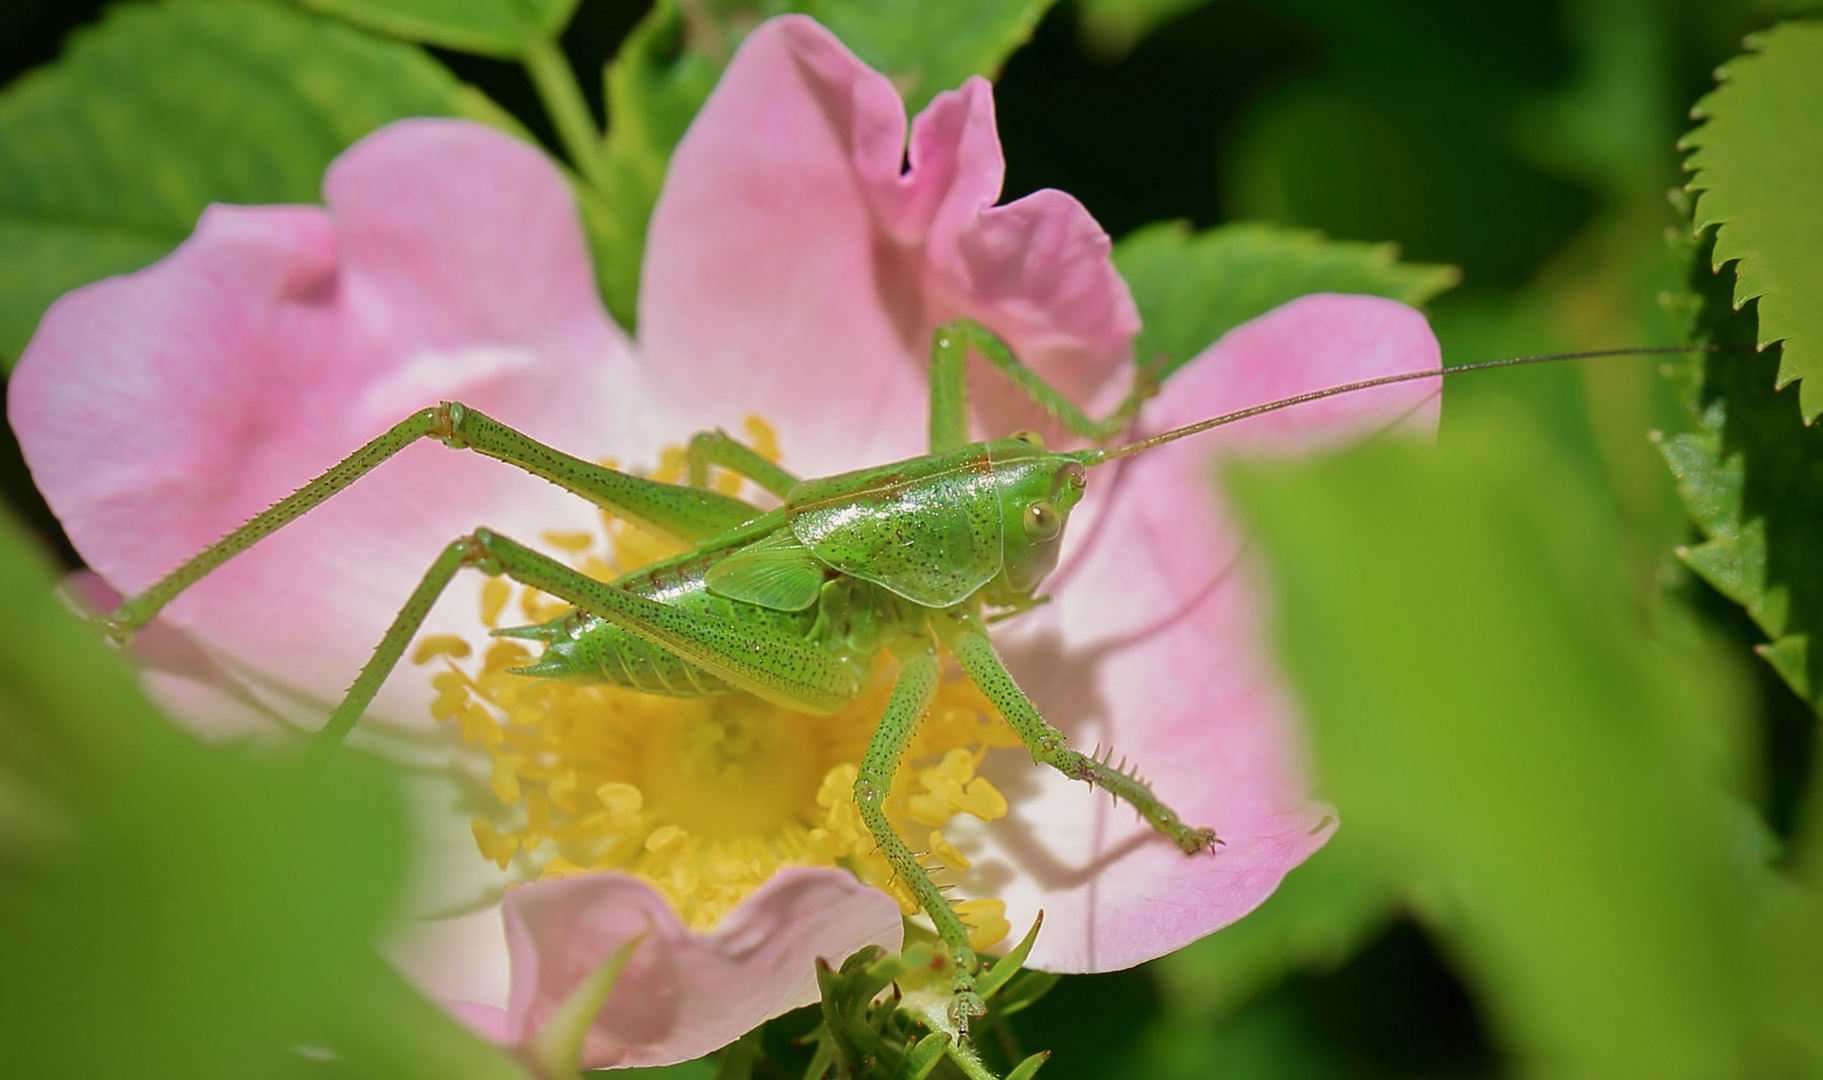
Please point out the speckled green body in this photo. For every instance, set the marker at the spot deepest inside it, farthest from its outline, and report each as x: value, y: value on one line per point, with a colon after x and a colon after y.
x: 879, y: 549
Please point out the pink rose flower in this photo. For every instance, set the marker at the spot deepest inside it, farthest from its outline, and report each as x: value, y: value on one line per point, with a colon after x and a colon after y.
x: 797, y: 262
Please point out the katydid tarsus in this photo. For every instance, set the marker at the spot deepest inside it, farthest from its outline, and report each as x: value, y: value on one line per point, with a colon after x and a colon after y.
x: 794, y: 604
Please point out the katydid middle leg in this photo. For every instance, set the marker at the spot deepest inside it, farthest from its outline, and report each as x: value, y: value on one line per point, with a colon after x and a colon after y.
x: 717, y: 447
x: 966, y: 637
x: 950, y: 345
x: 683, y: 513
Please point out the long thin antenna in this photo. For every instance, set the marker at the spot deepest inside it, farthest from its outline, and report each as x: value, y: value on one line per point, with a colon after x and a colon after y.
x: 1096, y: 457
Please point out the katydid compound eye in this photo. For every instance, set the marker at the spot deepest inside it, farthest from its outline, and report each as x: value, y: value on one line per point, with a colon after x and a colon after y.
x: 1042, y: 521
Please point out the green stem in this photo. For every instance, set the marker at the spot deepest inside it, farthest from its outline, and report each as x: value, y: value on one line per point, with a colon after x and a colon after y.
x: 562, y: 97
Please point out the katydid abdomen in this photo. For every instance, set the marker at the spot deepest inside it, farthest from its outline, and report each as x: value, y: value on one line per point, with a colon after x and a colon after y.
x: 847, y: 618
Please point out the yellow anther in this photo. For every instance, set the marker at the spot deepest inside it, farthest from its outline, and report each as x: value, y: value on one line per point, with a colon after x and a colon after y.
x: 560, y: 867
x: 673, y: 464
x: 952, y: 788
x: 494, y: 595
x: 562, y: 790
x: 982, y: 799
x: 479, y: 726
x: 666, y: 839
x: 495, y: 846
x: 621, y: 800
x: 838, y: 785
x: 570, y: 541
x: 540, y: 608
x: 762, y: 437
x: 504, y: 778
x: 946, y: 852
x: 505, y: 654
x: 435, y: 645
x: 986, y: 921
x: 448, y: 704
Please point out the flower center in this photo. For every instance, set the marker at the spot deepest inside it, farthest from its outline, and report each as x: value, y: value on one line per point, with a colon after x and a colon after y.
x: 704, y: 798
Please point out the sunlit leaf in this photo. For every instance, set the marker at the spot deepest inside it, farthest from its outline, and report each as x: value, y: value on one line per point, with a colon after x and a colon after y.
x: 108, y: 156
x: 489, y: 27
x: 1194, y: 287
x: 1490, y: 714
x: 1757, y: 161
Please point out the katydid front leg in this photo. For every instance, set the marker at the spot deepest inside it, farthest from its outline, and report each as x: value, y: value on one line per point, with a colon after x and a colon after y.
x: 682, y: 513
x: 782, y: 669
x: 965, y: 635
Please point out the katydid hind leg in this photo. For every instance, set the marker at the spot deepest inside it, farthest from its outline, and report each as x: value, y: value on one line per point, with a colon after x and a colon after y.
x: 912, y: 694
x: 686, y: 514
x: 965, y: 635
x: 781, y: 669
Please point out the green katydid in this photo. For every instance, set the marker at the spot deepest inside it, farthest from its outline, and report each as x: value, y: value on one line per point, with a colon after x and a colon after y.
x: 793, y: 604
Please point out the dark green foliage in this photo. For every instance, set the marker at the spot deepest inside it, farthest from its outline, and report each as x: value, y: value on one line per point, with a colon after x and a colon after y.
x: 183, y: 910
x: 1751, y: 474
x: 1193, y: 288
x: 107, y: 158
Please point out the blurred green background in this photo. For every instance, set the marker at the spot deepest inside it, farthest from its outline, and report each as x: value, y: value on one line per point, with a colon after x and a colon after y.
x: 1573, y: 798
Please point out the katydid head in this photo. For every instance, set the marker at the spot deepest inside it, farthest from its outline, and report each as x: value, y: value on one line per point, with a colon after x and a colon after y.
x: 1037, y: 490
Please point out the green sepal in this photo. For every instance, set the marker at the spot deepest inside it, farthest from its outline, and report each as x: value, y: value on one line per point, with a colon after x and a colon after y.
x: 1028, y: 1068
x: 1000, y: 971
x: 923, y: 1057
x: 556, y: 1051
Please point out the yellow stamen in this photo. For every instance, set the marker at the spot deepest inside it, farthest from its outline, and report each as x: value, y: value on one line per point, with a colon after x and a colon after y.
x: 494, y: 595
x: 435, y: 645
x: 572, y: 542
x: 946, y: 852
x: 986, y: 921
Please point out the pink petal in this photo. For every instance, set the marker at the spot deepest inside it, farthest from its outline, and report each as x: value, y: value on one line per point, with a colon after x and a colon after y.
x: 1156, y: 648
x: 161, y: 409
x: 684, y: 994
x: 794, y: 269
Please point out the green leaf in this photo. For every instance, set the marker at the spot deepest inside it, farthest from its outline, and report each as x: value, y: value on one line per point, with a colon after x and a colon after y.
x: 170, y: 907
x: 108, y: 156
x: 927, y: 48
x: 1192, y: 288
x: 1492, y: 718
x: 1757, y: 160
x: 1750, y: 472
x: 669, y: 63
x: 488, y: 27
